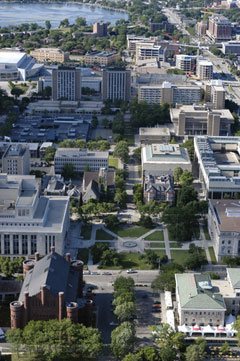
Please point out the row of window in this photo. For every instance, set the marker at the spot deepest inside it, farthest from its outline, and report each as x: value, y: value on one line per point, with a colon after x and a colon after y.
x: 202, y: 313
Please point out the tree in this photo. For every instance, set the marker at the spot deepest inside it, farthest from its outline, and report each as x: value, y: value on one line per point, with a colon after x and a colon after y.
x: 166, y: 278
x: 122, y: 173
x: 137, y: 154
x: 123, y: 339
x: 144, y: 354
x: 178, y: 171
x: 125, y: 311
x: 170, y: 342
x: 105, y: 122
x: 94, y: 122
x: 118, y: 126
x: 196, y: 352
x: 137, y: 193
x: 119, y: 183
x: 64, y: 23
x: 17, y: 92
x: 146, y: 221
x: 125, y: 284
x: 48, y: 25
x: 68, y: 171
x: 121, y: 198
x: 224, y: 348
x: 185, y: 195
x: 49, y: 154
x: 186, y: 178
x: 151, y: 257
x: 81, y: 21
x: 111, y: 221
x: 124, y: 297
x: 189, y: 145
x: 110, y: 257
x: 121, y: 151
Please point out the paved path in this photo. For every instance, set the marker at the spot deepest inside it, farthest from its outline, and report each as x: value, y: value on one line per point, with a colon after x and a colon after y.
x: 166, y: 239
x: 206, y: 244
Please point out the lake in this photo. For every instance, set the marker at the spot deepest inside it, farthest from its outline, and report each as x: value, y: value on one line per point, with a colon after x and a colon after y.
x: 16, y: 13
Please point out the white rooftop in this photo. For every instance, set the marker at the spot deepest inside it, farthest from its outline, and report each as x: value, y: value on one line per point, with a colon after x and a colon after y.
x: 11, y: 57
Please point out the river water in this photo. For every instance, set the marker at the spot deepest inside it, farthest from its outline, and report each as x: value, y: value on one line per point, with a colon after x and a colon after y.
x: 16, y: 13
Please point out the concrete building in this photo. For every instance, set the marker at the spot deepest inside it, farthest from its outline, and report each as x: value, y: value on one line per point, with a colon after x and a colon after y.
x: 80, y: 159
x: 158, y: 188
x: 16, y: 160
x: 204, y: 69
x: 161, y: 159
x: 186, y: 63
x: 155, y: 135
x: 102, y: 58
x: 232, y: 47
x: 219, y: 165
x: 52, y: 289
x: 194, y: 120
x: 148, y: 50
x: 66, y: 83
x: 133, y: 40
x: 215, y: 94
x: 100, y: 29
x: 169, y: 93
x: 92, y: 82
x: 223, y: 226
x: 219, y: 28
x: 201, y: 28
x: 164, y: 25
x: 116, y: 84
x: 33, y: 148
x: 29, y: 222
x: 50, y: 54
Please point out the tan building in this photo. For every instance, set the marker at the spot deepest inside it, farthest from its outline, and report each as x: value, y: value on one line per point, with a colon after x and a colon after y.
x: 219, y: 28
x: 102, y: 58
x: 100, y: 29
x: 215, y: 94
x: 156, y: 135
x: 148, y: 50
x: 50, y: 54
x: 66, y: 83
x: 116, y: 84
x: 200, y: 120
x: 204, y: 69
x: 201, y: 28
x: 15, y: 160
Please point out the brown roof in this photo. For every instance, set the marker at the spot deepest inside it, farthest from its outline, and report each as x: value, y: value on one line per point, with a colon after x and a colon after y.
x: 227, y: 212
x: 89, y: 176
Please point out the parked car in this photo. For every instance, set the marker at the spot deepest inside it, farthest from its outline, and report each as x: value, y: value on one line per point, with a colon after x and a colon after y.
x: 156, y: 310
x: 156, y: 306
x: 157, y: 303
x: 131, y: 271
x: 107, y: 273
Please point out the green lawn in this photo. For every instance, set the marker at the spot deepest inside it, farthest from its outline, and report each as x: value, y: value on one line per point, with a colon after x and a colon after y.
x: 175, y: 245
x: 179, y: 256
x: 113, y: 162
x: 130, y: 231
x: 102, y: 235
x: 83, y: 254
x: 130, y: 260
x: 160, y: 253
x: 155, y: 236
x: 207, y: 236
x: 86, y: 231
x: 212, y: 255
x: 157, y: 245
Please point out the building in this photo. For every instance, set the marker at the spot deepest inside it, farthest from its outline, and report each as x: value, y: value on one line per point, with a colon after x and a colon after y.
x: 16, y: 160
x: 204, y: 69
x: 33, y: 148
x: 219, y: 165
x: 92, y: 82
x: 133, y: 40
x: 29, y: 222
x: 186, y: 63
x: 223, y: 226
x: 116, y: 84
x: 52, y: 289
x: 215, y: 94
x: 159, y: 188
x: 219, y: 28
x: 163, y: 26
x: 66, y: 83
x: 95, y: 183
x: 201, y: 28
x: 16, y: 65
x: 168, y: 93
x: 162, y: 159
x: 232, y: 47
x: 102, y: 58
x: 194, y: 120
x: 100, y: 29
x: 155, y: 135
x: 9, y: 290
x: 80, y: 159
x: 148, y: 50
x: 50, y: 54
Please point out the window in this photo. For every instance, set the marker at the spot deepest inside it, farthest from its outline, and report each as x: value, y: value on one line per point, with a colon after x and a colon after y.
x: 33, y: 244
x: 24, y: 244
x: 6, y: 244
x: 229, y: 242
x: 15, y: 244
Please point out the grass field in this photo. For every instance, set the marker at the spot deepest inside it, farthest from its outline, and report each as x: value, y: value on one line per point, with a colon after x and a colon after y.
x: 83, y: 254
x: 130, y: 260
x: 212, y: 255
x: 175, y: 244
x: 207, y: 236
x: 160, y: 253
x: 130, y: 231
x: 113, y: 162
x: 86, y: 231
x: 179, y: 256
x: 155, y: 236
x: 157, y: 245
x: 101, y: 235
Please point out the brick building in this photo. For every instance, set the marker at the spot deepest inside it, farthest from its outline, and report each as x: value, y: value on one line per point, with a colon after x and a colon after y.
x: 52, y: 289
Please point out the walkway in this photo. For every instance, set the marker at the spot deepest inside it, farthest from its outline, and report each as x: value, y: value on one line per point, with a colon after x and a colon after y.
x: 166, y: 239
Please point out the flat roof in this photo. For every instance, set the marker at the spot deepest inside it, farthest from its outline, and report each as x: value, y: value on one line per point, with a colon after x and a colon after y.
x: 161, y: 130
x: 227, y: 213
x: 78, y: 152
x: 11, y: 57
x: 165, y: 153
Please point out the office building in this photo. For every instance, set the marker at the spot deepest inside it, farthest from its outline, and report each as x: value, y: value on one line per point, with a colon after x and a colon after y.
x: 162, y: 26
x: 204, y: 69
x: 232, y: 47
x: 52, y: 289
x: 116, y: 84
x: 133, y: 40
x: 33, y: 148
x: 16, y: 160
x: 162, y: 159
x: 219, y: 28
x: 148, y: 50
x: 80, y: 159
x: 223, y: 227
x: 29, y: 222
x: 215, y: 94
x: 219, y: 165
x: 158, y: 188
x: 100, y: 29
x: 155, y: 135
x: 66, y: 83
x: 102, y: 58
x: 50, y: 55
x: 201, y: 28
x: 186, y: 63
x: 200, y: 120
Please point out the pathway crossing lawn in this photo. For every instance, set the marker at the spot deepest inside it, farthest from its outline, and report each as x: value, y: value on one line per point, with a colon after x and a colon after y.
x: 207, y: 236
x: 86, y: 232
x: 113, y: 162
x: 130, y: 231
x: 101, y: 235
x: 155, y: 236
x: 212, y: 255
x: 157, y: 245
x: 175, y: 244
x: 160, y: 253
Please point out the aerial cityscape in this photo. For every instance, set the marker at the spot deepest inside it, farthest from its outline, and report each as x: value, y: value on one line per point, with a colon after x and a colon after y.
x: 120, y: 180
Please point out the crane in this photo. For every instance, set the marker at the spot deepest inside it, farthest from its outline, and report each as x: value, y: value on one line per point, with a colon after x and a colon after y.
x: 174, y: 39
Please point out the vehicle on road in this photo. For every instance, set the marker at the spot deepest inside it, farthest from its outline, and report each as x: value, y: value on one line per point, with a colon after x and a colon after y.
x: 131, y: 271
x: 113, y: 323
x: 156, y: 306
x: 157, y: 303
x: 86, y: 272
x: 95, y: 273
x: 107, y: 273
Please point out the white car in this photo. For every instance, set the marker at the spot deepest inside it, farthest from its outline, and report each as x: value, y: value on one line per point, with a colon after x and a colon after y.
x: 113, y: 323
x: 131, y: 271
x: 86, y: 272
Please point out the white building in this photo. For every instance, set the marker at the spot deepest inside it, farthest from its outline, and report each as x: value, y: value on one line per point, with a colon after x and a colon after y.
x: 186, y: 63
x: 29, y: 222
x: 232, y: 47
x: 204, y: 69
x: 80, y: 159
x: 145, y: 51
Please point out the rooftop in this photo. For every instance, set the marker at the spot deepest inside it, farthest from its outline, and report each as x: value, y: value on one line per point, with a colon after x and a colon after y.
x: 165, y: 153
x: 78, y: 152
x: 234, y: 276
x: 159, y: 130
x: 11, y: 57
x: 227, y: 213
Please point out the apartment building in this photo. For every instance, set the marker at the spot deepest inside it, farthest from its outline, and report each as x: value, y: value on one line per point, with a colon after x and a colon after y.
x: 163, y: 25
x: 219, y: 28
x: 16, y: 160
x: 116, y: 84
x: 100, y: 29
x: 148, y: 50
x: 29, y: 222
x: 186, y: 63
x: 159, y: 188
x: 204, y: 69
x: 66, y: 83
x: 50, y: 54
x: 80, y: 159
x: 223, y: 226
x: 194, y: 120
x: 155, y: 135
x: 219, y: 165
x: 102, y: 58
x: 201, y: 28
x: 133, y: 40
x: 215, y: 94
x: 232, y: 47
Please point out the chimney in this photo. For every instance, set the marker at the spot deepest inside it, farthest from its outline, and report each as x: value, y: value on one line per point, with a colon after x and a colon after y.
x: 36, y: 256
x: 52, y: 249
x: 60, y: 305
x: 43, y: 295
x: 26, y: 306
x: 68, y: 257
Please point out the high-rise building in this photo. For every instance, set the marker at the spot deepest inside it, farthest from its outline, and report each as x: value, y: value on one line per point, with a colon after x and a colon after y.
x: 201, y: 28
x: 100, y: 29
x: 186, y: 63
x: 15, y: 160
x: 148, y: 50
x: 219, y: 28
x: 66, y: 83
x: 116, y: 84
x: 215, y: 94
x: 204, y: 69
